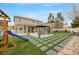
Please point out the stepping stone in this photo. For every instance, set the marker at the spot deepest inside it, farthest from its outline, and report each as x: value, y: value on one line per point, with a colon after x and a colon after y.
x: 44, y: 48
x: 62, y: 45
x: 49, y: 40
x: 57, y: 41
x: 45, y: 42
x: 58, y: 45
x: 45, y: 39
x: 54, y: 42
x: 51, y: 52
x: 35, y: 42
x: 57, y: 48
x: 32, y: 40
x: 52, y: 39
x: 38, y: 45
x: 50, y: 45
x: 65, y: 42
x: 41, y: 41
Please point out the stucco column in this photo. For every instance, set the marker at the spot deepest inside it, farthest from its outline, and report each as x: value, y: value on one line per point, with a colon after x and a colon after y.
x: 27, y: 30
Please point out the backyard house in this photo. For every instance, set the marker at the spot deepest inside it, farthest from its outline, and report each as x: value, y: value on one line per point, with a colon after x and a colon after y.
x: 55, y: 23
x: 28, y: 25
x: 22, y: 24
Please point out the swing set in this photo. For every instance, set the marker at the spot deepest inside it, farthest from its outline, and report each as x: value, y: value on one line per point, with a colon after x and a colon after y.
x: 4, y: 42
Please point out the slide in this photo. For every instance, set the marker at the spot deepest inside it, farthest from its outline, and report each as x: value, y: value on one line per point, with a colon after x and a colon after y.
x: 10, y: 33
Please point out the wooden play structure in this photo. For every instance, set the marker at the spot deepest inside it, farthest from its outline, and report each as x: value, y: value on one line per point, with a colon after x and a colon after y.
x: 4, y: 24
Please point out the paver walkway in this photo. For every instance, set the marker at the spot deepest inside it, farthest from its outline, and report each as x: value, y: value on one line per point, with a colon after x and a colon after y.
x: 72, y: 48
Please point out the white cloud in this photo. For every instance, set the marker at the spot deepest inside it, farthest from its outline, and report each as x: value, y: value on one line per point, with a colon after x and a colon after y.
x: 50, y: 4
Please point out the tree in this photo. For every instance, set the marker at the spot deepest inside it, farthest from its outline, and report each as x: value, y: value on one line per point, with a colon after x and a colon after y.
x: 50, y: 17
x: 74, y: 15
x: 75, y: 23
x: 60, y: 17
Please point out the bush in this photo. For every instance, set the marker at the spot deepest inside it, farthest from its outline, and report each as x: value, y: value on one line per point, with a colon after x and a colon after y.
x: 65, y: 31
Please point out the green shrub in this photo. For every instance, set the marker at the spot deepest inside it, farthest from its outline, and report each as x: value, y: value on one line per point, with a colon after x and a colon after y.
x: 66, y: 31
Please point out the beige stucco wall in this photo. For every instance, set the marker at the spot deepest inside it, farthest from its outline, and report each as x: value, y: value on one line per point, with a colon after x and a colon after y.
x: 56, y: 25
x: 26, y: 21
x: 20, y: 22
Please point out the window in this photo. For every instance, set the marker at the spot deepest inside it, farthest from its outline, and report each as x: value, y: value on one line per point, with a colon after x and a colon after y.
x: 37, y: 22
x: 33, y: 21
x: 20, y: 28
x: 16, y: 28
x: 24, y: 29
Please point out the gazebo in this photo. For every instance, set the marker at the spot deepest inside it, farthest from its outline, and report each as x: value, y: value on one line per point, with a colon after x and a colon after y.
x: 40, y: 29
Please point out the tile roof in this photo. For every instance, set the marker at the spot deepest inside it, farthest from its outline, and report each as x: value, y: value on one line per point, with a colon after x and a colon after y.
x: 27, y: 18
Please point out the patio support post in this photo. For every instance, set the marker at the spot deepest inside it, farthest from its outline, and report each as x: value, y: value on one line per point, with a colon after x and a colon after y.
x: 39, y: 33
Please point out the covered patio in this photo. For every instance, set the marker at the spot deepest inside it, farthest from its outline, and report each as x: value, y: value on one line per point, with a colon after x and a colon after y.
x: 39, y: 29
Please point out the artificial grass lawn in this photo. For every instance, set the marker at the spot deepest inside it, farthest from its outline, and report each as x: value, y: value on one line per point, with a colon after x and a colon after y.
x: 23, y: 48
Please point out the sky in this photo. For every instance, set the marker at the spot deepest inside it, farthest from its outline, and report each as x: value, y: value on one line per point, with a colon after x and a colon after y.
x: 38, y: 11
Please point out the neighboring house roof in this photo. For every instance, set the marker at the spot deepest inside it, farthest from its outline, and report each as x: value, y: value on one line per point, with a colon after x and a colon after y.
x: 46, y: 24
x: 25, y: 25
x: 41, y: 26
x: 27, y: 18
